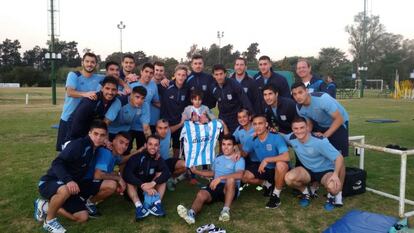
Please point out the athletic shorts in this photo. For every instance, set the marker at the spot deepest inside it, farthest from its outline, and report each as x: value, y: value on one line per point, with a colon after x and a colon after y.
x: 171, y: 162
x: 64, y: 128
x: 339, y: 139
x: 268, y: 175
x: 218, y: 193
x: 175, y: 138
x: 316, y: 176
x: 89, y: 188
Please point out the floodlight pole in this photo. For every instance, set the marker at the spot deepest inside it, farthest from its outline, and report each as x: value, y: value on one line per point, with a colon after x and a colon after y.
x: 219, y: 36
x: 52, y: 51
x: 364, y: 50
x: 121, y: 26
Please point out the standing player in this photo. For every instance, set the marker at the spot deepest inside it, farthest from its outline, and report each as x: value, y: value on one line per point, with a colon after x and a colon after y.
x: 112, y: 69
x: 79, y: 84
x: 224, y: 187
x: 105, y: 107
x: 280, y: 111
x: 272, y: 152
x: 325, y: 116
x: 311, y: 82
x: 128, y: 66
x: 146, y: 175
x: 321, y: 162
x: 199, y: 80
x: 140, y: 130
x: 159, y: 75
x: 230, y: 97
x: 248, y: 84
x: 62, y: 185
x: 265, y: 76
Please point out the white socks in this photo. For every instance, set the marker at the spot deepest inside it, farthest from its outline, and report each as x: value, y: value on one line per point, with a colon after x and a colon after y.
x: 138, y: 204
x: 266, y: 184
x: 277, y: 191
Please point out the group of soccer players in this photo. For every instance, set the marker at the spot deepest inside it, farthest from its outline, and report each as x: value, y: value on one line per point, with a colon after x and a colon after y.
x: 103, y: 115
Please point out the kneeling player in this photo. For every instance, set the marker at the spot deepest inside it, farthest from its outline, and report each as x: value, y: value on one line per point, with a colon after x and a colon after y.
x: 272, y: 151
x: 146, y: 175
x: 224, y: 187
x: 63, y: 184
x: 321, y: 162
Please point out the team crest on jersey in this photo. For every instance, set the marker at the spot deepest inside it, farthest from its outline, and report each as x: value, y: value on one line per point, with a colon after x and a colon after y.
x: 182, y: 97
x: 229, y: 97
x: 138, y: 111
x: 283, y: 117
x: 172, y: 97
x: 219, y: 99
x: 310, y: 150
x: 269, y: 147
x: 204, y: 87
x: 245, y: 89
x: 151, y: 171
x: 82, y: 83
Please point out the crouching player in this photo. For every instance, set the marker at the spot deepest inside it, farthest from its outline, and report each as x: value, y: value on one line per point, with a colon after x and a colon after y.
x: 227, y: 174
x: 105, y: 181
x: 62, y: 185
x: 321, y: 162
x: 146, y: 175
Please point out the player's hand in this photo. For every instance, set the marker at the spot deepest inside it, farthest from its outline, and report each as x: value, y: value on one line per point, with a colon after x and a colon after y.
x: 131, y: 78
x: 273, y: 129
x: 108, y: 144
x: 203, y: 118
x: 236, y: 156
x: 214, y: 183
x: 73, y: 187
x: 121, y: 186
x: 157, y: 156
x: 319, y: 134
x: 334, y: 179
x: 151, y: 192
x: 148, y: 185
x: 127, y: 90
x: 194, y: 170
x: 262, y: 167
x: 90, y: 95
x: 165, y: 82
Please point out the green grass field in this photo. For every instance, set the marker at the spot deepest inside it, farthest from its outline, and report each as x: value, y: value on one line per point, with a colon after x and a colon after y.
x: 27, y: 148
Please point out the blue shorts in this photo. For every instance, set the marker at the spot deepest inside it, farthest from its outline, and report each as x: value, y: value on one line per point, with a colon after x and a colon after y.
x: 339, y: 139
x: 64, y: 128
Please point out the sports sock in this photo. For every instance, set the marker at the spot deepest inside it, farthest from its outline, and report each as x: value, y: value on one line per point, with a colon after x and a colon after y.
x: 329, y: 195
x: 157, y: 202
x: 338, y: 198
x: 306, y: 191
x: 225, y: 208
x: 191, y: 213
x: 138, y: 204
x: 266, y: 184
x: 277, y: 191
x: 313, y: 189
x: 51, y: 220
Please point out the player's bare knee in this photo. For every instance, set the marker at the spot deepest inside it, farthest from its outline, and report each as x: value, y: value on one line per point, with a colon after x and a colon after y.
x: 63, y: 191
x: 281, y: 167
x: 82, y: 216
x: 290, y: 177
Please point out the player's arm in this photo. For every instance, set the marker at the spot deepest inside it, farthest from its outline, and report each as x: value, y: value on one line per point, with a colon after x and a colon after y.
x: 147, y: 130
x: 237, y: 175
x: 205, y: 173
x: 101, y: 175
x: 78, y: 94
x: 177, y: 126
x: 156, y: 104
x: 338, y: 120
x: 284, y: 157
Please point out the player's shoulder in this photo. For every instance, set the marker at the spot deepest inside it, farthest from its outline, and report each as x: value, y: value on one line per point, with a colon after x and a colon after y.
x: 318, y: 138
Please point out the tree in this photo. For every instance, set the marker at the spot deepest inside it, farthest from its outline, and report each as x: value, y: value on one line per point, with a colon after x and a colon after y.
x: 251, y: 53
x: 193, y: 50
x: 69, y: 51
x: 330, y: 59
x: 35, y: 57
x: 9, y: 53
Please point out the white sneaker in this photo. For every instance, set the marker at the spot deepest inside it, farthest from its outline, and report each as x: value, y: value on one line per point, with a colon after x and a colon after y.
x: 53, y: 226
x: 224, y: 216
x: 40, y: 209
x: 183, y: 213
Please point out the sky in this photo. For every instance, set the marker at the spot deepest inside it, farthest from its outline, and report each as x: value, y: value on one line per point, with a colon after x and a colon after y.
x: 167, y: 28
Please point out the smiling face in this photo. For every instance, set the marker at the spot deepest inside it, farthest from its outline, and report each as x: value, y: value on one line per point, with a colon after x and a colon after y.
x: 300, y: 129
x: 98, y: 136
x: 303, y: 69
x: 153, y: 146
x: 269, y: 97
x: 264, y: 66
x: 120, y: 144
x: 109, y: 91
x: 243, y: 118
x: 227, y: 147
x: 197, y: 65
x: 146, y: 74
x: 128, y: 65
x: 159, y: 72
x: 89, y: 64
x: 113, y: 70
x: 180, y: 77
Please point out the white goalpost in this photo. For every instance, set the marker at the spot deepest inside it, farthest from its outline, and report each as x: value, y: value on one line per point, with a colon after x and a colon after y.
x: 379, y: 84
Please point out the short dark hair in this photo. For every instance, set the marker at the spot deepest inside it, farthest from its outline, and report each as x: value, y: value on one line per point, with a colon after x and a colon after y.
x: 124, y: 134
x: 89, y: 54
x: 219, y: 67
x: 196, y: 93
x: 244, y: 110
x: 147, y: 65
x: 110, y: 63
x: 196, y: 56
x: 242, y: 59
x: 128, y: 56
x: 110, y: 79
x: 98, y: 124
x: 228, y: 137
x: 159, y: 63
x: 162, y: 120
x: 264, y: 57
x: 259, y: 115
x: 140, y: 90
x: 298, y: 119
x: 154, y: 136
x: 298, y: 84
x: 270, y: 87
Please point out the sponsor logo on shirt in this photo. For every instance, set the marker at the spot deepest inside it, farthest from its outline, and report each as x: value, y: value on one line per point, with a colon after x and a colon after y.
x: 283, y: 117
x: 229, y: 97
x: 182, y: 97
x: 245, y: 89
x: 269, y: 147
x: 204, y: 87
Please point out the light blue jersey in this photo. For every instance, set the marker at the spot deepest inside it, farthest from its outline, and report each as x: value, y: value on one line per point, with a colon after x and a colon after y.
x: 273, y: 145
x: 79, y: 83
x: 224, y: 165
x: 165, y: 146
x: 152, y: 95
x: 105, y: 161
x: 113, y: 111
x: 127, y: 115
x: 317, y: 154
x: 321, y: 108
x: 245, y: 139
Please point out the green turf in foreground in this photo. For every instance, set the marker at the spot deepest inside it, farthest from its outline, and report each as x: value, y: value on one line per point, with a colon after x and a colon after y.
x: 27, y: 148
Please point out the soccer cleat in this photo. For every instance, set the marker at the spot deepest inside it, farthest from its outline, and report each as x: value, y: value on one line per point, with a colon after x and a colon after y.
x: 53, y: 226
x: 267, y: 192
x: 157, y: 210
x: 217, y: 230
x: 92, y: 209
x: 39, y: 209
x: 224, y: 216
x: 205, y: 228
x: 304, y: 200
x: 141, y: 212
x: 274, y: 202
x: 183, y: 213
x: 314, y: 195
x: 329, y: 204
